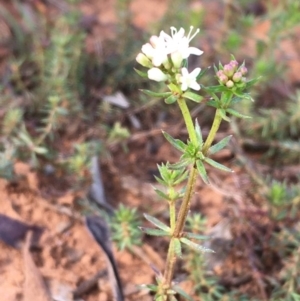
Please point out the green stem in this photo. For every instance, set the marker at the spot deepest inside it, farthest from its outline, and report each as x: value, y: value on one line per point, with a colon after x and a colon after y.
x: 177, y: 226
x: 188, y: 120
x: 172, y: 214
x: 212, y: 133
x: 183, y: 211
x: 170, y: 265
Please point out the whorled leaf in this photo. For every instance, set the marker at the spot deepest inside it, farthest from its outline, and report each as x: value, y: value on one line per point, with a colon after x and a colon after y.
x: 195, y: 236
x: 202, y: 171
x: 222, y: 113
x: 177, y: 247
x: 154, y: 232
x: 193, y: 96
x: 217, y: 165
x: 161, y: 193
x: 141, y: 73
x: 237, y: 114
x: 171, y: 99
x: 195, y: 246
x: 219, y: 146
x: 157, y: 223
x: 181, y: 164
x: 198, y: 132
x: 178, y: 144
x: 156, y: 94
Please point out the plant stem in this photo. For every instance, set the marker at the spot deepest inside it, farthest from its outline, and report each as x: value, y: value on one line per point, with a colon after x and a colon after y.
x: 170, y: 265
x: 185, y: 205
x: 188, y: 120
x: 212, y: 133
x: 183, y: 211
x: 172, y: 215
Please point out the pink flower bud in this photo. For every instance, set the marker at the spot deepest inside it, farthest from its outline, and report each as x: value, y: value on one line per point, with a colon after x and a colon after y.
x: 220, y: 73
x: 223, y: 79
x: 237, y: 77
x: 234, y: 64
x: 228, y: 70
x: 230, y: 84
x: 243, y: 70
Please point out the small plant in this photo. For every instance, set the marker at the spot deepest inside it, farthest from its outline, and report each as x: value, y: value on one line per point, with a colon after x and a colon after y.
x: 205, y: 285
x: 124, y: 228
x: 166, y: 58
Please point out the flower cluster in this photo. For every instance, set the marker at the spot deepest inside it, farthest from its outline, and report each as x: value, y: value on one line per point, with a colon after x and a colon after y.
x: 164, y: 56
x: 231, y: 75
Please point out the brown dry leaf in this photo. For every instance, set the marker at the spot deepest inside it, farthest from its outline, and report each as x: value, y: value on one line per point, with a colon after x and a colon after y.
x: 34, y: 286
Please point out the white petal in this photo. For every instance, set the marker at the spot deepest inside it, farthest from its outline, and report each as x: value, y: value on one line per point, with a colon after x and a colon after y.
x: 195, y: 86
x: 157, y: 75
x: 180, y: 33
x: 195, y: 72
x: 184, y: 86
x: 195, y: 51
x: 148, y: 50
x: 184, y: 72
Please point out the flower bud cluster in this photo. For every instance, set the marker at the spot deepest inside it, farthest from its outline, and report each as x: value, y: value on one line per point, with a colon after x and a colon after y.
x: 164, y: 56
x: 231, y: 75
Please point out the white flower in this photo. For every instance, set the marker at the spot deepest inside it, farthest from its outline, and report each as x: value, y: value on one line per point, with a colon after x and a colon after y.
x: 156, y: 50
x: 188, y: 80
x: 157, y: 75
x: 179, y: 42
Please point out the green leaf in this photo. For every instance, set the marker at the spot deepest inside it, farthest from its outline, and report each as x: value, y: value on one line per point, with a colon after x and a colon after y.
x: 202, y: 171
x: 161, y: 193
x: 243, y: 95
x: 25, y: 137
x: 253, y: 82
x: 198, y: 132
x: 182, y: 177
x: 182, y: 293
x: 217, y: 165
x: 216, y: 89
x: 40, y: 150
x: 195, y: 246
x: 220, y: 145
x: 212, y: 103
x: 159, y: 180
x: 141, y: 73
x: 154, y: 232
x: 181, y: 164
x: 236, y: 99
x: 196, y: 236
x: 216, y: 69
x: 202, y: 72
x: 178, y: 144
x: 174, y: 88
x: 177, y: 247
x: 222, y: 113
x: 171, y: 99
x: 237, y: 114
x: 150, y: 287
x: 157, y: 223
x: 156, y: 94
x: 192, y: 96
